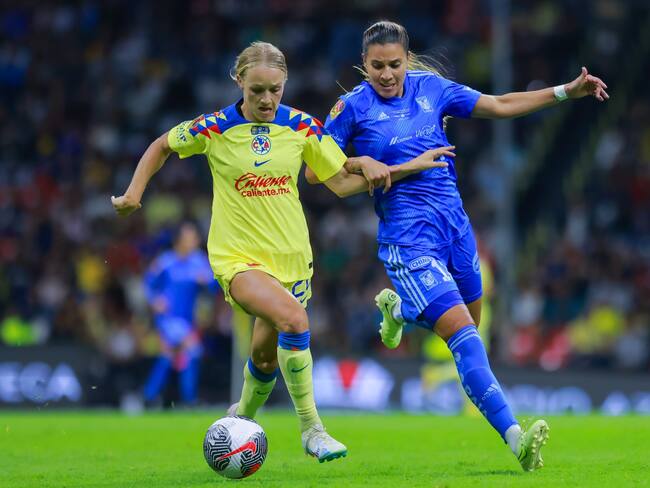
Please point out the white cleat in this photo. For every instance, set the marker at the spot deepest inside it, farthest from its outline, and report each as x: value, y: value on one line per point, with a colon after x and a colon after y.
x: 530, y: 445
x: 232, y: 410
x: 321, y: 445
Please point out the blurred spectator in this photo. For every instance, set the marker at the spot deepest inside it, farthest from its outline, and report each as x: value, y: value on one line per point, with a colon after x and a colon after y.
x: 173, y: 283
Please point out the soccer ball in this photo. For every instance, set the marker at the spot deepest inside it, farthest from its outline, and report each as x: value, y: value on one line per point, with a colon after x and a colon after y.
x: 235, y: 447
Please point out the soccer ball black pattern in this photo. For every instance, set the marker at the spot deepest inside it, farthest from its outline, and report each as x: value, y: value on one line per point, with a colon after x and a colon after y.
x: 252, y: 461
x: 235, y: 447
x: 216, y: 444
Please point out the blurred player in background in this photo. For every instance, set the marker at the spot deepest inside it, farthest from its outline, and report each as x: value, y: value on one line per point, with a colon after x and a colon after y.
x: 258, y: 243
x: 172, y: 284
x: 425, y: 239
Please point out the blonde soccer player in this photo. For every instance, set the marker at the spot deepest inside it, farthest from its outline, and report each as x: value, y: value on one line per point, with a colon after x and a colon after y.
x: 258, y: 243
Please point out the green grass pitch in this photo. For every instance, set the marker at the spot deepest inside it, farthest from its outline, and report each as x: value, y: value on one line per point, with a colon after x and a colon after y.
x: 165, y: 450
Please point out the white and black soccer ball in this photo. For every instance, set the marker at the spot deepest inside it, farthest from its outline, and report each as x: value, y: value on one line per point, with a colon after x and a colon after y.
x: 235, y: 447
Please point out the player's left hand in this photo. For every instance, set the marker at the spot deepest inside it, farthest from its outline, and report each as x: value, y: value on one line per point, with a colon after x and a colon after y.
x: 586, y: 84
x: 125, y: 205
x: 377, y: 174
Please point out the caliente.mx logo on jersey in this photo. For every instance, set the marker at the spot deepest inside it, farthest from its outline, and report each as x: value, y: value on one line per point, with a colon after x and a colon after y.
x: 261, y: 144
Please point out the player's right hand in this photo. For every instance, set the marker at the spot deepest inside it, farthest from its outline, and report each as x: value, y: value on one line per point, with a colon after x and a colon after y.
x: 125, y: 205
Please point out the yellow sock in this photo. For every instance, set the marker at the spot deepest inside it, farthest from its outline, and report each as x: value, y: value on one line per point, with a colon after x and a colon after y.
x: 254, y: 393
x: 296, y: 367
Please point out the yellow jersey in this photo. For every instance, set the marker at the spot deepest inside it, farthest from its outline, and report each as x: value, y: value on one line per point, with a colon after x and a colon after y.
x: 257, y: 218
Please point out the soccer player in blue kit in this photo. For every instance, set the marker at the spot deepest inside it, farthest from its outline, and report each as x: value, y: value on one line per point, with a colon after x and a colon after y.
x: 172, y: 285
x: 425, y: 238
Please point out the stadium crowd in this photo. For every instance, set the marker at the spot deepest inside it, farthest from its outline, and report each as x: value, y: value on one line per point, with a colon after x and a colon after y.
x: 74, y: 121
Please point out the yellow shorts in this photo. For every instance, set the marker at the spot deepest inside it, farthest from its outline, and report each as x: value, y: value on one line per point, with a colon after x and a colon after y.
x: 300, y: 289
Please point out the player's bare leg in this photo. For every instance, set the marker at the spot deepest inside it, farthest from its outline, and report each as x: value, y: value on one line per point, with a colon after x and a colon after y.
x: 260, y: 371
x: 475, y: 310
x: 263, y: 296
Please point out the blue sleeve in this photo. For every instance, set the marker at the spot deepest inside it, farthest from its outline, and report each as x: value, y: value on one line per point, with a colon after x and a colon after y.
x: 207, y: 275
x: 340, y: 122
x: 457, y: 100
x: 155, y: 279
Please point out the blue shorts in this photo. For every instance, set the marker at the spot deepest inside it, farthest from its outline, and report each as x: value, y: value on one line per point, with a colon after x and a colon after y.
x: 420, y: 276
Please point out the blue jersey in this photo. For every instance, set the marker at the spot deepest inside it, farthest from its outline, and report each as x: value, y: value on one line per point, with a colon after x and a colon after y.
x: 425, y: 209
x: 178, y: 280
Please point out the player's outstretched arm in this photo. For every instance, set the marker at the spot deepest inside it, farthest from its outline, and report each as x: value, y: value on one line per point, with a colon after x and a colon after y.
x: 374, y: 169
x: 150, y: 162
x: 342, y: 183
x: 427, y: 160
x: 516, y: 104
x: 348, y: 181
x: 375, y: 173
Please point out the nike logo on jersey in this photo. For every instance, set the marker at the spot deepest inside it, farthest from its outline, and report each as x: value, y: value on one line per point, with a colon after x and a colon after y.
x: 294, y: 370
x: 260, y: 163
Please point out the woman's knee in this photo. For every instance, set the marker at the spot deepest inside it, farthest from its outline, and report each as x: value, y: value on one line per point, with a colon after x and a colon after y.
x: 452, y: 321
x: 475, y: 311
x: 264, y: 361
x: 293, y: 320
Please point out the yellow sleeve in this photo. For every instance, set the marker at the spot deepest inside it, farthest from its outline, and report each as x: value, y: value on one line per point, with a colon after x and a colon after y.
x: 323, y: 155
x: 187, y: 139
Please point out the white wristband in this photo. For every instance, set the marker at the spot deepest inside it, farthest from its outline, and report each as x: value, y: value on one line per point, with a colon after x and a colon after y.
x: 560, y: 93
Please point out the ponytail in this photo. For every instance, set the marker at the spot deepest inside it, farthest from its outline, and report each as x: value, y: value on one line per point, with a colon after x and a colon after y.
x: 423, y: 62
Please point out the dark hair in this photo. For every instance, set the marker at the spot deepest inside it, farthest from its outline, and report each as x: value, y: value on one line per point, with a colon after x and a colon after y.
x: 385, y: 32
x: 178, y: 230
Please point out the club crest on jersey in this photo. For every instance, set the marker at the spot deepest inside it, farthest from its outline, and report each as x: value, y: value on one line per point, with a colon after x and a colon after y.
x: 337, y: 109
x: 420, y: 262
x: 428, y: 280
x: 261, y: 145
x: 424, y: 104
x: 260, y: 129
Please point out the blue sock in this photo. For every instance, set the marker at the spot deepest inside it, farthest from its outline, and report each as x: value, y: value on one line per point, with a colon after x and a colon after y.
x: 259, y: 374
x: 157, y: 378
x: 188, y: 381
x: 294, y: 342
x: 478, y: 380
